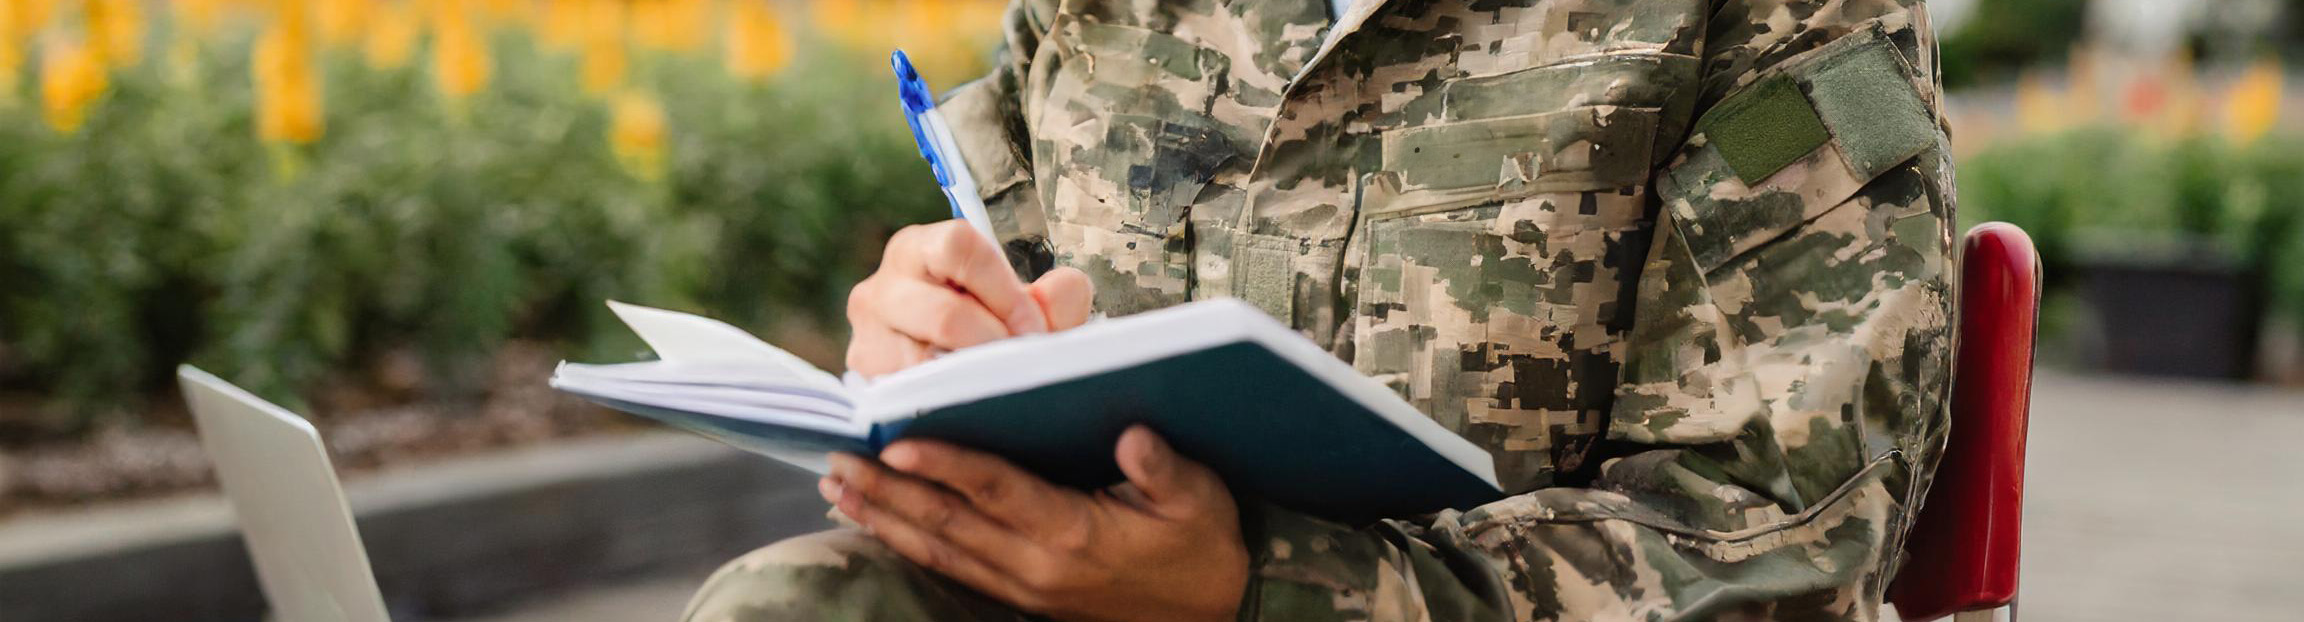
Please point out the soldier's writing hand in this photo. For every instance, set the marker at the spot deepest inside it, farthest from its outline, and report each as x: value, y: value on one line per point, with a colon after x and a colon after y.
x: 1166, y: 545
x: 943, y: 286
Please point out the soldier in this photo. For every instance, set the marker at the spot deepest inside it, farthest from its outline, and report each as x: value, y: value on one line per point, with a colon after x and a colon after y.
x: 1681, y: 265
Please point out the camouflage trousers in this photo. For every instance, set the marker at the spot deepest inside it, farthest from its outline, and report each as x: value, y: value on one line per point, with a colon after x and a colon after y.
x: 841, y: 575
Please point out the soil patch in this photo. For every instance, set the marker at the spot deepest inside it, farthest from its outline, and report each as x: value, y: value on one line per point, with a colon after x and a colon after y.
x: 376, y: 425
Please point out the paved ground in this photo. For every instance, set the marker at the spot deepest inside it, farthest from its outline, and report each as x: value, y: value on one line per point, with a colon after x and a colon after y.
x: 646, y: 600
x: 2147, y: 500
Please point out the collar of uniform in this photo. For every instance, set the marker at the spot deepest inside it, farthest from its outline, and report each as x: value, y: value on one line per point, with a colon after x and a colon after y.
x: 1342, y: 29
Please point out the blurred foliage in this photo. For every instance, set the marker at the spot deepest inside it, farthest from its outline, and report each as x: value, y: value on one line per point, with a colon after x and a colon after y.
x: 2291, y: 29
x: 2157, y: 197
x: 2004, y: 37
x: 440, y: 198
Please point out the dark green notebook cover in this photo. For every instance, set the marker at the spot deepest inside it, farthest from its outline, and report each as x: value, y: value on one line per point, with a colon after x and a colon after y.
x: 1269, y: 428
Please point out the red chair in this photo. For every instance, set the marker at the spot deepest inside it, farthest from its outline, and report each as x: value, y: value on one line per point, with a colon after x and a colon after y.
x: 1961, y: 557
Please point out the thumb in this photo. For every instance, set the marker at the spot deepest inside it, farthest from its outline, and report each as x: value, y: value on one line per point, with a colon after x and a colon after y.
x: 1066, y: 297
x: 1167, y: 479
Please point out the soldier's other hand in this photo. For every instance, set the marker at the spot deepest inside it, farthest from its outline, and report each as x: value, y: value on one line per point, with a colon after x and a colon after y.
x: 943, y: 286
x: 1166, y: 545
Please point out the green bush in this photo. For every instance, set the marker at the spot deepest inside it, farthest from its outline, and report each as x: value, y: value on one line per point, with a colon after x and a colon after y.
x: 2154, y: 196
x: 163, y: 231
x: 2004, y: 36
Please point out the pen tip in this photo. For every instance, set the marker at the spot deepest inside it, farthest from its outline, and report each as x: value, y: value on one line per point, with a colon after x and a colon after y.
x: 912, y: 90
x: 903, y: 66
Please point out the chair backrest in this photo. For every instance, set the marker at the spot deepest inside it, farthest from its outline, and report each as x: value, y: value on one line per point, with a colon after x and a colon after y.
x: 1962, y: 553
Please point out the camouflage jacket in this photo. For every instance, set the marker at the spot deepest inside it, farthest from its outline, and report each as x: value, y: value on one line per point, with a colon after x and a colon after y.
x: 1681, y: 265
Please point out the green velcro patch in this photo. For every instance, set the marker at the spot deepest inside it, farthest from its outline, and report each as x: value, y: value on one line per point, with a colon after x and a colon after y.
x: 1266, y: 278
x: 1764, y: 129
x: 1864, y: 93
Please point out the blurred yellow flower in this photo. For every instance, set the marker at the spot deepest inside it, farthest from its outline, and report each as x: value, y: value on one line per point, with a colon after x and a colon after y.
x: 72, y: 78
x: 2039, y: 108
x: 846, y: 20
x: 460, y: 61
x: 2252, y: 107
x: 391, y: 35
x: 758, y: 47
x: 197, y: 17
x: 11, y: 54
x: 31, y: 15
x: 191, y: 22
x: 2183, y: 107
x: 637, y: 133
x: 948, y: 39
x: 922, y: 23
x: 674, y: 25
x: 288, y: 100
x: 981, y: 18
x: 116, y: 30
x: 562, y: 25
x: 2083, y: 106
x: 503, y: 11
x: 605, y: 56
x: 342, y: 20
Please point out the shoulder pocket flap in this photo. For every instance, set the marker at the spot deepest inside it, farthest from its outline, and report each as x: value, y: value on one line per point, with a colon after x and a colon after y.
x: 1794, y: 145
x: 979, y: 114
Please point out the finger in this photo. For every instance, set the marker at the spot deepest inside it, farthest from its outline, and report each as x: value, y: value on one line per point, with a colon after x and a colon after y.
x: 830, y: 489
x: 1175, y: 486
x: 924, y: 506
x: 953, y: 253
x: 1067, y: 297
x: 876, y: 349
x: 936, y: 315
x: 1009, y: 495
x: 1129, y: 495
x: 936, y: 554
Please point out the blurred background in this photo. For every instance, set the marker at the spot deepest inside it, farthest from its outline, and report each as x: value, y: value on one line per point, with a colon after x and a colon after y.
x: 395, y: 215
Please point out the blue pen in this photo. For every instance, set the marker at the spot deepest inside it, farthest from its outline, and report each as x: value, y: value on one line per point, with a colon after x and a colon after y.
x: 938, y: 146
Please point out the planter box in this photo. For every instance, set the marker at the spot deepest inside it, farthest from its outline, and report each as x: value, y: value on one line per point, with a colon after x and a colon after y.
x: 2197, y: 319
x: 450, y: 539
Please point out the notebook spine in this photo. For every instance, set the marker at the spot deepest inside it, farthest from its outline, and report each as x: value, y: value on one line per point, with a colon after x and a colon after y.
x: 884, y: 433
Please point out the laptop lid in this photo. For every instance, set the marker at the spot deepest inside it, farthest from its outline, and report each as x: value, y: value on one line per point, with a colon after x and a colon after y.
x: 290, y: 507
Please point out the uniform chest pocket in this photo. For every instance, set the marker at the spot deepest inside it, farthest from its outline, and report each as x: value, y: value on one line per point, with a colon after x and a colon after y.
x: 1123, y: 145
x: 1490, y: 255
x: 1465, y: 163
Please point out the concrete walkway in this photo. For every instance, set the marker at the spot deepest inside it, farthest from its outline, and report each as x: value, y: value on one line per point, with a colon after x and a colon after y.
x: 2161, y: 500
x: 648, y: 600
x: 2147, y: 500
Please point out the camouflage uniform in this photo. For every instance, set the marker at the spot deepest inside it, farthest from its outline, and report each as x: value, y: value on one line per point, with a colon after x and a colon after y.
x: 1680, y: 264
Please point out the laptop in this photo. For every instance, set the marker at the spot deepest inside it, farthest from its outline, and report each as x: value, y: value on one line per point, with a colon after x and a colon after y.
x: 291, y: 509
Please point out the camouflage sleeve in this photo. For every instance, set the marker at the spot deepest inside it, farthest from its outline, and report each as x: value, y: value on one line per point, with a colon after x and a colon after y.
x: 1782, y: 399
x: 987, y: 118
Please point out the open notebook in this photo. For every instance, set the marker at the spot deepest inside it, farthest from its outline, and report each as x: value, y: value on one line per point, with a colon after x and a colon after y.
x: 1274, y: 414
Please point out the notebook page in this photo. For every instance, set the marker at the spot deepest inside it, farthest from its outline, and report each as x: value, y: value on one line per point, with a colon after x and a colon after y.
x: 797, y: 412
x: 701, y: 341
x: 670, y: 375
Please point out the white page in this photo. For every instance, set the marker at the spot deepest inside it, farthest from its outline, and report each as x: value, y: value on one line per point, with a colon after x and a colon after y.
x: 797, y: 415
x: 672, y: 375
x: 701, y: 341
x: 730, y: 401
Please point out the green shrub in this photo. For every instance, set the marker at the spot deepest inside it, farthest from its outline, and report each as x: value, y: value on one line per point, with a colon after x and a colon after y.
x: 163, y: 231
x: 2154, y: 196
